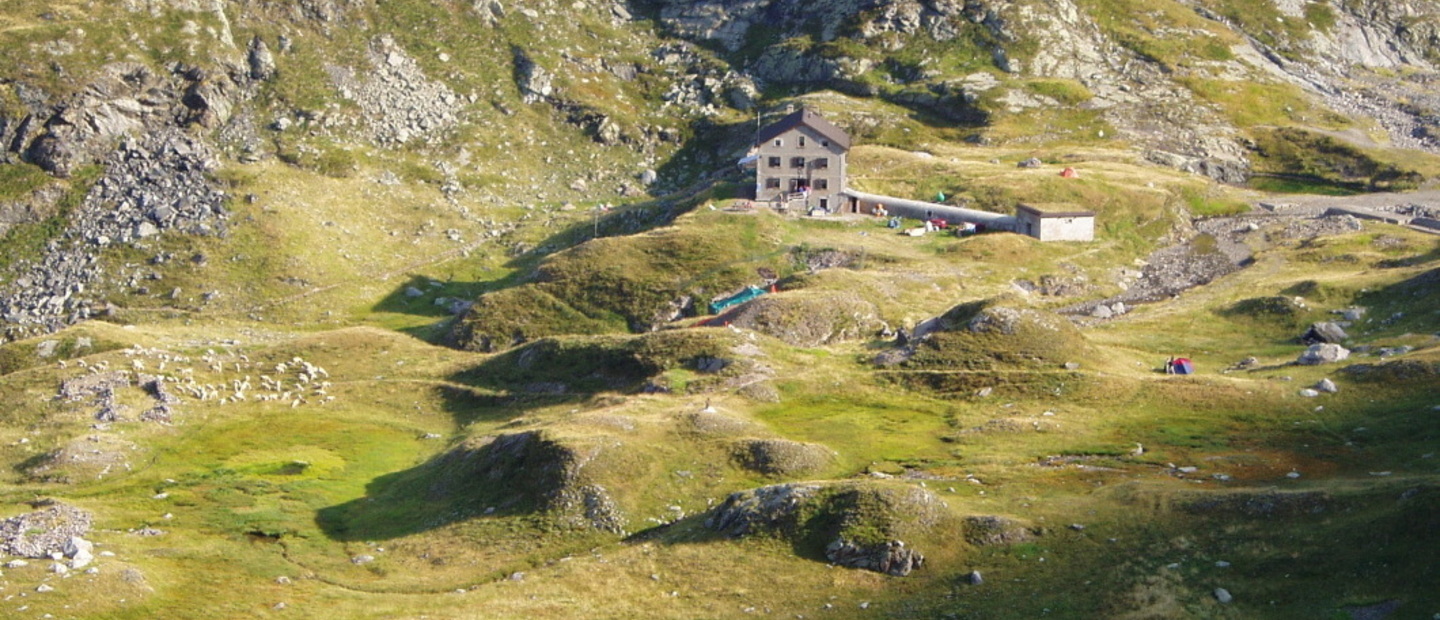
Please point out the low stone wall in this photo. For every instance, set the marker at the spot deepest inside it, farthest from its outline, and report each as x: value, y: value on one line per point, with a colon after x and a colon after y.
x: 1426, y: 222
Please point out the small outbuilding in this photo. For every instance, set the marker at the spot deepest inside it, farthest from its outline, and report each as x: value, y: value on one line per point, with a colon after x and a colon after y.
x: 1055, y: 222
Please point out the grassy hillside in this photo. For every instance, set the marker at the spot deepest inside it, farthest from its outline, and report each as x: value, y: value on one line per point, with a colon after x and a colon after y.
x: 470, y: 369
x: 397, y: 459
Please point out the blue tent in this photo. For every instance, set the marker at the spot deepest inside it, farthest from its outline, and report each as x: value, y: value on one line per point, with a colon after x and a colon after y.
x: 750, y: 292
x: 1183, y: 366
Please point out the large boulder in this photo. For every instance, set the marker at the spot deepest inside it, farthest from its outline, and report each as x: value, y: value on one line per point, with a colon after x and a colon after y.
x: 261, y: 62
x: 1325, y: 353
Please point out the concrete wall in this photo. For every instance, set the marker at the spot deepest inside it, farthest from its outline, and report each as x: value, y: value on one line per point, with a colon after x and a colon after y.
x: 1067, y: 229
x: 861, y: 202
x: 786, y: 174
x: 1366, y: 214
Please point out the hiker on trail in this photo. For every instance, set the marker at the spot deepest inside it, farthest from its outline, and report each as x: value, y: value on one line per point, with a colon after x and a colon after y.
x: 1170, y: 365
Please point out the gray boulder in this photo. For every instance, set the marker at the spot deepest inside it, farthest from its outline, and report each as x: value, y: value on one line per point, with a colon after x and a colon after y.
x: 1327, y: 386
x: 261, y: 61
x: 1324, y: 332
x: 1324, y: 353
x: 80, y: 551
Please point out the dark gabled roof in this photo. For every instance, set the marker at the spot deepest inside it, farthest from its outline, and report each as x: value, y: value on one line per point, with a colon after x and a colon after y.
x: 808, y: 118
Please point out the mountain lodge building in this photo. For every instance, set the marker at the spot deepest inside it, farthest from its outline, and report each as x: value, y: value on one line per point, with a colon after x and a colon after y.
x: 801, y: 157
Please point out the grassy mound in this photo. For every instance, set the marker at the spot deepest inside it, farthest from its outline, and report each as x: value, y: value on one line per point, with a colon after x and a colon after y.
x: 818, y: 520
x: 530, y: 472
x: 992, y: 345
x: 544, y: 471
x: 679, y: 360
x: 997, y: 334
x: 981, y: 530
x: 1291, y: 152
x: 1276, y: 311
x: 510, y: 317
x: 781, y: 457
x: 634, y: 283
x: 808, y: 319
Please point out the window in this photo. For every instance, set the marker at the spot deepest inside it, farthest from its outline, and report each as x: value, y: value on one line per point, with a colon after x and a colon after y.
x: 772, y: 183
x: 779, y: 142
x: 822, y: 162
x: 774, y: 162
x: 802, y: 142
x: 797, y: 162
x: 797, y: 185
x: 822, y: 183
x: 825, y: 143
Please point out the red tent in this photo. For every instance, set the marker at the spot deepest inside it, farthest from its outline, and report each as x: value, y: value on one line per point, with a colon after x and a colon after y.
x: 1070, y: 173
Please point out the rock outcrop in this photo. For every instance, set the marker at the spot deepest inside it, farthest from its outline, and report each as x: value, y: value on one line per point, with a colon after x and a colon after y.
x: 891, y: 557
x: 867, y: 524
